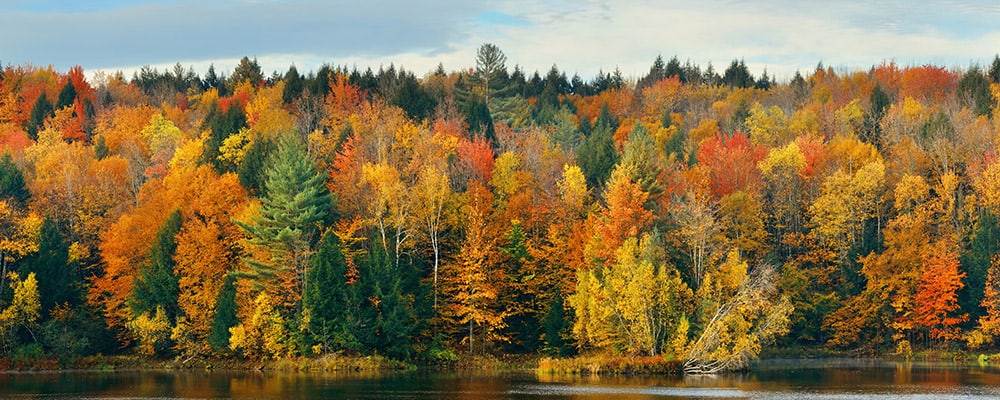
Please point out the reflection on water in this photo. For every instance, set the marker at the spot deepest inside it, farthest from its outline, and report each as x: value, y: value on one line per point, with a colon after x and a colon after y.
x: 775, y: 379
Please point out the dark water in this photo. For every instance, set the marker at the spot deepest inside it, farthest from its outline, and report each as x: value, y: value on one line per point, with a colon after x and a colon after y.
x: 830, y: 379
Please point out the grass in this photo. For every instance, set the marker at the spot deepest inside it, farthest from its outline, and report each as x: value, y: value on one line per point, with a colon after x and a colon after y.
x: 607, y: 364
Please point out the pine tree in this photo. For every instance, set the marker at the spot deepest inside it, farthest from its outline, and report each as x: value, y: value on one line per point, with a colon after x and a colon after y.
x: 295, y: 205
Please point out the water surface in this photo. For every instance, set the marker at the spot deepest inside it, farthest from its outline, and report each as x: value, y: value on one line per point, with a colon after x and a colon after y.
x: 773, y: 379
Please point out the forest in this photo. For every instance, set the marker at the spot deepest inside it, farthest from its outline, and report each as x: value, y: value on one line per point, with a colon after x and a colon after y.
x: 683, y: 214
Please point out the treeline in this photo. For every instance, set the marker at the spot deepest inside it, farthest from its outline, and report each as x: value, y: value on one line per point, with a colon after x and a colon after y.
x: 684, y: 214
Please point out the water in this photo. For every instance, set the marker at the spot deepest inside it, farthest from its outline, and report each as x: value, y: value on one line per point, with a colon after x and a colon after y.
x: 823, y: 379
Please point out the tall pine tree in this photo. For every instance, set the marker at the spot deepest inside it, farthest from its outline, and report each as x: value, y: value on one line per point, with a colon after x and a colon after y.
x: 295, y: 205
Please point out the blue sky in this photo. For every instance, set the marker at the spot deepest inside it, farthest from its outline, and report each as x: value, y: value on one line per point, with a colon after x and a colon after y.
x: 579, y: 36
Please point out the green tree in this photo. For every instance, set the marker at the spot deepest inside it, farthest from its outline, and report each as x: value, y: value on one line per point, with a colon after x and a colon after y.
x: 294, y: 207
x: 39, y: 113
x: 294, y: 85
x: 328, y: 303
x: 490, y: 78
x: 737, y: 75
x: 12, y: 184
x: 58, y: 282
x: 157, y: 283
x: 246, y: 70
x: 225, y: 315
x: 597, y: 155
x: 878, y: 105
x: 221, y: 124
x: 66, y: 96
x: 974, y: 92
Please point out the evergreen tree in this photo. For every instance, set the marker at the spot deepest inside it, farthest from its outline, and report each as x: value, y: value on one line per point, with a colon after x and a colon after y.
x: 995, y: 70
x: 57, y: 278
x: 413, y: 98
x: 555, y: 327
x: 212, y: 80
x: 157, y: 282
x: 293, y: 85
x: 328, y: 301
x: 12, y: 184
x: 879, y: 103
x: 477, y: 117
x: 974, y: 92
x: 221, y: 125
x: 737, y: 75
x: 225, y: 315
x: 246, y: 70
x: 39, y: 113
x: 389, y: 319
x: 657, y: 72
x: 674, y: 69
x: 253, y: 169
x: 100, y: 148
x: 976, y: 261
x: 66, y: 96
x: 597, y: 154
x: 491, y: 73
x: 295, y: 205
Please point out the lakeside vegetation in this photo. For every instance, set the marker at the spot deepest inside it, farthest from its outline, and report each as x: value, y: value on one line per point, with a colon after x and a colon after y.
x: 681, y: 221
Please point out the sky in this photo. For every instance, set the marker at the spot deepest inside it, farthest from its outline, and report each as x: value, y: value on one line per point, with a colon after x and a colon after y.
x: 578, y: 36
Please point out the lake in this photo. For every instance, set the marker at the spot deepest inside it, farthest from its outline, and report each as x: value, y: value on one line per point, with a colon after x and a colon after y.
x: 771, y: 379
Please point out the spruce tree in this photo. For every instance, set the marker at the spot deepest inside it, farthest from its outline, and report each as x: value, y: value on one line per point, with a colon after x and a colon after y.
x: 39, y: 113
x: 157, y: 283
x: 225, y: 315
x: 57, y: 279
x: 327, y: 300
x: 12, y: 184
x: 66, y: 96
x: 597, y: 154
x: 293, y: 85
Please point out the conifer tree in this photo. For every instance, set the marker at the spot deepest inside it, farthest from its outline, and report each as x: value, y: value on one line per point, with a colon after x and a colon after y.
x: 41, y: 111
x: 295, y: 205
x: 12, y: 181
x: 157, y: 283
x: 57, y: 283
x: 225, y: 315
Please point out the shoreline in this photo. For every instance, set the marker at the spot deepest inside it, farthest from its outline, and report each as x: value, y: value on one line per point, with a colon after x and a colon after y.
x: 583, y: 365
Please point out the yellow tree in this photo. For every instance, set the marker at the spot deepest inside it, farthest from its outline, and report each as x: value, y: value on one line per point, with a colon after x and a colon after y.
x: 741, y: 312
x: 845, y: 203
x: 24, y: 308
x: 695, y: 216
x: 390, y: 210
x: 19, y: 233
x: 433, y: 199
x: 782, y: 173
x: 646, y: 296
x: 473, y: 282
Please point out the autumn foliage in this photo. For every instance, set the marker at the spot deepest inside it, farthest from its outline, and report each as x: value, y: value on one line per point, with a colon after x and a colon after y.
x: 689, y: 215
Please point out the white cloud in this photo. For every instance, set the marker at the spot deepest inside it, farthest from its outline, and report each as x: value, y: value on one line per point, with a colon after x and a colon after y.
x: 578, y: 36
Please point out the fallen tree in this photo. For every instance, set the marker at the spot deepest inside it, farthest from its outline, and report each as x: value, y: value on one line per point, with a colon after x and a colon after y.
x: 740, y: 325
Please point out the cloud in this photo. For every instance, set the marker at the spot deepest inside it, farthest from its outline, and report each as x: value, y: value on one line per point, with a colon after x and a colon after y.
x: 579, y: 36
x: 155, y: 33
